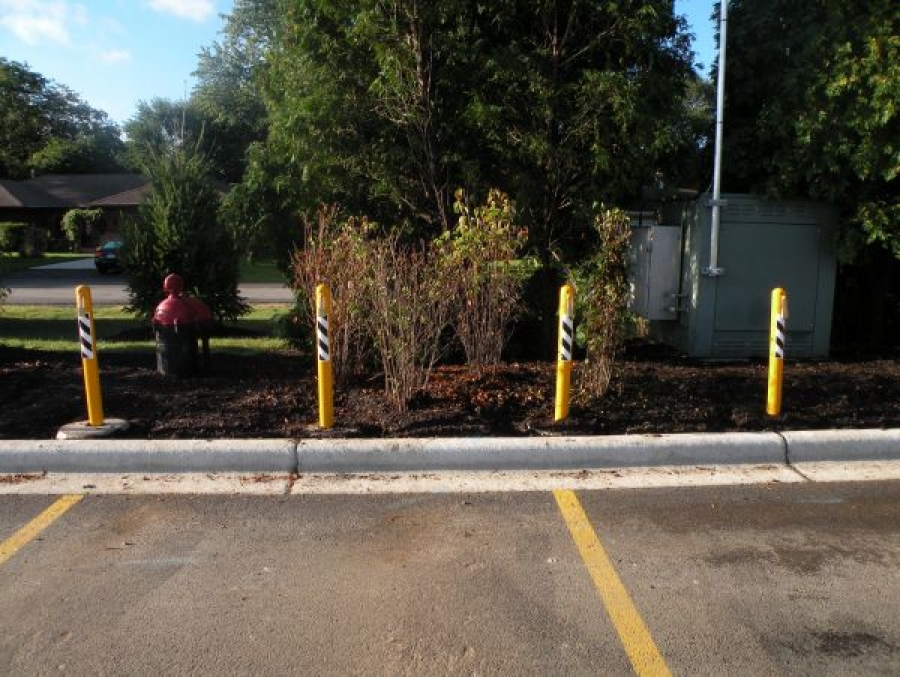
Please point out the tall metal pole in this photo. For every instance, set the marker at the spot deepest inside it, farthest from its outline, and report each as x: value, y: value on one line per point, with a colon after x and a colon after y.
x: 716, y: 202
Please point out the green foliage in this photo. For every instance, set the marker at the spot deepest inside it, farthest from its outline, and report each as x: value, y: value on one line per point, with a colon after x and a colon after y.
x: 602, y: 295
x: 478, y: 258
x: 4, y: 291
x: 46, y: 127
x: 826, y: 122
x: 258, y: 212
x: 36, y: 241
x: 178, y: 231
x: 81, y: 225
x: 159, y: 127
x: 228, y: 91
x: 383, y: 108
x: 12, y: 237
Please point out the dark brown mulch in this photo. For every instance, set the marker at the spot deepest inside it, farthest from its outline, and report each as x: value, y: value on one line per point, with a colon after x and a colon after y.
x: 273, y: 395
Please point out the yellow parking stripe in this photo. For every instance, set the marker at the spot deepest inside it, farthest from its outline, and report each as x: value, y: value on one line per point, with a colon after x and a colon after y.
x: 633, y: 633
x: 31, y: 530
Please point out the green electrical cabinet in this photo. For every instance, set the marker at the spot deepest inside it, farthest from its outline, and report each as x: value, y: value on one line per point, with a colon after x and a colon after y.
x: 762, y: 245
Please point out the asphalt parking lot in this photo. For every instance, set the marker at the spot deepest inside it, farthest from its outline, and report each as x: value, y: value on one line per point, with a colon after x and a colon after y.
x: 761, y: 579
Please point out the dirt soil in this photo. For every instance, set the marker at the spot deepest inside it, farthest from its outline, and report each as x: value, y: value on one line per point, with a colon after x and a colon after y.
x: 274, y: 395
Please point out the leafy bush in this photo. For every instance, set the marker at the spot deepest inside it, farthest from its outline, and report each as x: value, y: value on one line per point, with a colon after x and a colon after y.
x: 12, y: 237
x: 178, y: 231
x: 407, y: 310
x: 4, y: 291
x: 602, y: 297
x: 36, y: 241
x: 333, y: 253
x: 81, y: 225
x: 387, y: 297
x: 482, y: 274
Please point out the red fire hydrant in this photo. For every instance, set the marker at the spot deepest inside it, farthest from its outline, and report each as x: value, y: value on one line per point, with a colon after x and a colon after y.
x: 179, y: 321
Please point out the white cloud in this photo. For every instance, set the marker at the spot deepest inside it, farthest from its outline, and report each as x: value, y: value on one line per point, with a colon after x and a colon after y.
x: 34, y: 21
x: 195, y: 10
x: 115, y: 56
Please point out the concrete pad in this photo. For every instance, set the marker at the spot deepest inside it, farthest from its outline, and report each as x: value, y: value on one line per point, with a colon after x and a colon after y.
x: 27, y: 456
x: 83, y: 430
x: 852, y: 471
x: 842, y: 445
x: 521, y: 453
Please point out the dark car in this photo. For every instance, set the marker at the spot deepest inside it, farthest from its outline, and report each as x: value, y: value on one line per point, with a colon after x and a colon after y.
x: 107, y: 257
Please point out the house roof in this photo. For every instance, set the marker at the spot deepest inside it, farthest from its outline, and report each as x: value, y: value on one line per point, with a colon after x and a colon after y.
x: 65, y: 191
x: 20, y: 194
x: 126, y: 198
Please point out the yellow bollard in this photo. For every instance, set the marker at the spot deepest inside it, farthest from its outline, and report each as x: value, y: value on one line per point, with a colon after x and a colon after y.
x: 89, y: 363
x: 326, y: 384
x: 776, y: 351
x: 564, y: 359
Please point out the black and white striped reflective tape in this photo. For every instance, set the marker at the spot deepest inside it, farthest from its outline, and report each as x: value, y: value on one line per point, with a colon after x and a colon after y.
x: 779, y: 337
x: 566, y: 338
x: 85, y: 337
x: 322, y: 338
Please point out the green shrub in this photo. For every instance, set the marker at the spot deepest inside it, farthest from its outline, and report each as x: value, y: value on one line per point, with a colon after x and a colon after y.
x: 81, y: 226
x: 12, y: 237
x: 482, y: 274
x: 178, y: 231
x: 36, y: 241
x: 334, y: 252
x: 4, y: 291
x: 602, y: 297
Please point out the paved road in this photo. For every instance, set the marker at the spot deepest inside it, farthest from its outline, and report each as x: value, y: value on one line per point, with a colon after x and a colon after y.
x: 55, y: 285
x: 767, y: 579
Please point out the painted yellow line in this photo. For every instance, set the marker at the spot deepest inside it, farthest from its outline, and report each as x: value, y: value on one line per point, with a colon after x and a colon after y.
x: 30, y: 531
x: 633, y: 633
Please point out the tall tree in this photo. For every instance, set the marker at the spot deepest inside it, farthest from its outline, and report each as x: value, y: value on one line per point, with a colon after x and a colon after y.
x: 812, y: 111
x: 228, y: 90
x: 386, y: 106
x: 580, y: 103
x: 161, y: 125
x: 46, y: 127
x: 813, y: 108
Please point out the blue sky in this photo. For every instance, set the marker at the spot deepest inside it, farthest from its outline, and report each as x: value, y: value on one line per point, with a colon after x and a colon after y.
x: 114, y: 53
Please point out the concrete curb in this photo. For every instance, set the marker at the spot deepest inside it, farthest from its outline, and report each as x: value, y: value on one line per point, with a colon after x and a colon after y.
x: 536, y: 453
x: 445, y: 454
x: 842, y: 445
x: 21, y: 456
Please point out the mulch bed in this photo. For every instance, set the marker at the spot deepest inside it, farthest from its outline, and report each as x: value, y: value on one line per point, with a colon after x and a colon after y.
x: 274, y: 395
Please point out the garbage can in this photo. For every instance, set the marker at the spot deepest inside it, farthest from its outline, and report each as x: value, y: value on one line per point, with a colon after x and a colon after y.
x: 176, y: 332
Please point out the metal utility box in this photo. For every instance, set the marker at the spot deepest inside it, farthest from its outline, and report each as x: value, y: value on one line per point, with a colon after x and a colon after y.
x: 655, y: 271
x: 762, y: 245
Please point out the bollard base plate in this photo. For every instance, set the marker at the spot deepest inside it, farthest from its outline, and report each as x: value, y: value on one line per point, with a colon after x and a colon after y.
x: 83, y: 430
x: 315, y: 431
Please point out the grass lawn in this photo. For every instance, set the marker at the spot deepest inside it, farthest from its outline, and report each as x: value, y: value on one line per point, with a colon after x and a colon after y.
x: 54, y: 328
x: 257, y: 272
x: 254, y: 272
x: 14, y: 263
